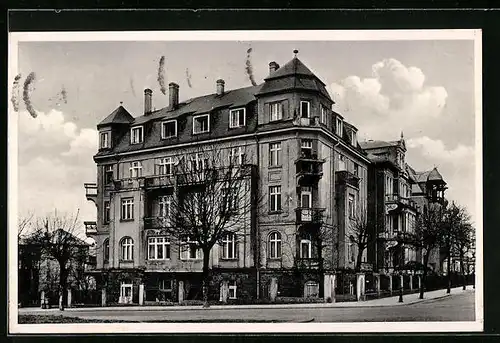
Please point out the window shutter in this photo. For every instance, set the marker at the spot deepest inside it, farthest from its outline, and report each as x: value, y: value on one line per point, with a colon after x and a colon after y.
x: 242, y: 117
x: 285, y: 109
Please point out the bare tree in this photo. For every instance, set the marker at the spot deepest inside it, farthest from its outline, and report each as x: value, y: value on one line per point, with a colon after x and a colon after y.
x: 24, y: 224
x: 428, y: 231
x: 463, y: 242
x: 359, y: 234
x: 57, y: 236
x: 213, y: 200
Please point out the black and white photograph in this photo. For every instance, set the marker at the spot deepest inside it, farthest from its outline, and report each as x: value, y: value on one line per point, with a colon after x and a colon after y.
x: 269, y: 181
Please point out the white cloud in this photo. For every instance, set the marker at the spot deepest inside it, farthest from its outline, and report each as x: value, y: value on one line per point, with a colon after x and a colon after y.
x: 436, y: 150
x: 55, y: 159
x: 395, y: 98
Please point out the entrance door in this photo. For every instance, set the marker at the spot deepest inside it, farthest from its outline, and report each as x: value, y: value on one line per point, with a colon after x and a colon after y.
x: 306, y: 203
x: 125, y: 293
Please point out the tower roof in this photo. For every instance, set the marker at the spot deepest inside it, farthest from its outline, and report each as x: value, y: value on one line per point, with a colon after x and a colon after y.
x: 293, y: 75
x: 118, y: 116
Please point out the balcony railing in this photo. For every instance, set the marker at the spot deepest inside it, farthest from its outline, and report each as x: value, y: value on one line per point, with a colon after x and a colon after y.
x: 396, y: 198
x: 90, y: 228
x: 156, y: 222
x: 366, y: 266
x: 159, y: 181
x: 345, y: 177
x: 311, y: 121
x: 308, y: 263
x: 90, y: 191
x: 307, y: 215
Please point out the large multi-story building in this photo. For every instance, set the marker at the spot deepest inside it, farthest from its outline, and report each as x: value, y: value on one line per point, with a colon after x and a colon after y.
x: 307, y: 166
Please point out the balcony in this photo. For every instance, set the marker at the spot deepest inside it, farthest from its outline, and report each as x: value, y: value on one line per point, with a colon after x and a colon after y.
x: 91, y: 191
x: 129, y: 183
x: 159, y: 181
x: 90, y: 228
x: 400, y: 200
x: 156, y: 222
x: 366, y: 267
x: 308, y: 263
x: 344, y: 177
x: 312, y: 121
x: 309, y: 215
x: 309, y: 169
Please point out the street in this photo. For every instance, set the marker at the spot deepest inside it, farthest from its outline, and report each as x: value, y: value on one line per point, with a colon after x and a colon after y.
x: 456, y: 307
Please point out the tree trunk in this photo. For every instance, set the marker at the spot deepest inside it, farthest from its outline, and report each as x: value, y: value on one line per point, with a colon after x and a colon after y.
x: 63, y: 278
x: 206, y: 277
x: 424, y: 274
x: 358, y: 259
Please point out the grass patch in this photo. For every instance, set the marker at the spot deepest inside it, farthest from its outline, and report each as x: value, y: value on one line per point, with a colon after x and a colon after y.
x: 60, y: 319
x: 50, y: 319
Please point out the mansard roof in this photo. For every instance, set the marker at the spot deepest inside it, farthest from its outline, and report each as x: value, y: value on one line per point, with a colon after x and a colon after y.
x: 119, y: 116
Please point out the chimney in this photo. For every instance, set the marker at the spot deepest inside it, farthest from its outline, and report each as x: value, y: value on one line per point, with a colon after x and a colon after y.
x: 148, y: 100
x: 173, y: 95
x: 220, y: 86
x: 273, y: 66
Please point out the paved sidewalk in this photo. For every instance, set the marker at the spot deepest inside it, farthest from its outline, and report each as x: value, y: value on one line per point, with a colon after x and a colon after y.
x: 389, y: 301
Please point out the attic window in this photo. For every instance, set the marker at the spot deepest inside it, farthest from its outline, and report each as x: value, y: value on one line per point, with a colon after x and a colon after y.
x: 201, y: 123
x: 237, y: 118
x: 104, y: 141
x: 339, y: 128
x: 353, y: 138
x: 324, y: 114
x: 169, y: 129
x: 305, y: 109
x: 276, y: 111
x: 136, y: 135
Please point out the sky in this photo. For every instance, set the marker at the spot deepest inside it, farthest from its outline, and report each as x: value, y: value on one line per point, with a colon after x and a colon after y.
x: 423, y: 88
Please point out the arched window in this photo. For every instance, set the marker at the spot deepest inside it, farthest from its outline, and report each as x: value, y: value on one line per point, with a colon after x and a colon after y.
x: 274, y: 245
x: 105, y: 248
x: 127, y: 245
x: 306, y: 247
x: 229, y: 246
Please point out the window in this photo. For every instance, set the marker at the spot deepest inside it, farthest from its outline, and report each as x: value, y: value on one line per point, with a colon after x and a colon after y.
x: 350, y: 250
x: 108, y: 174
x: 353, y: 138
x: 231, y: 198
x: 306, y: 147
x: 275, y: 111
x: 127, y: 209
x: 107, y: 212
x: 198, y: 162
x: 158, y: 248
x: 339, y: 129
x: 342, y: 165
x: 274, y: 245
x: 169, y: 129
x: 388, y: 185
x: 166, y: 166
x: 236, y: 156
x: 105, y: 247
x: 356, y: 169
x: 201, y: 123
x: 104, y: 140
x: 232, y: 290
x: 135, y: 169
x: 127, y: 245
x: 229, y: 246
x: 352, y: 206
x: 274, y: 154
x: 165, y: 203
x: 311, y: 289
x: 274, y: 198
x: 237, y: 118
x: 189, y: 250
x: 305, y: 107
x: 305, y: 247
x: 324, y: 114
x: 136, y: 135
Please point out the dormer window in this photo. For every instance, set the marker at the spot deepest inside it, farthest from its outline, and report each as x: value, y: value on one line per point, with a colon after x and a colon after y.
x: 136, y: 135
x: 305, y: 109
x: 324, y: 114
x: 353, y: 138
x: 237, y: 118
x: 339, y: 128
x: 168, y: 129
x: 201, y: 123
x: 276, y: 111
x: 104, y: 141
